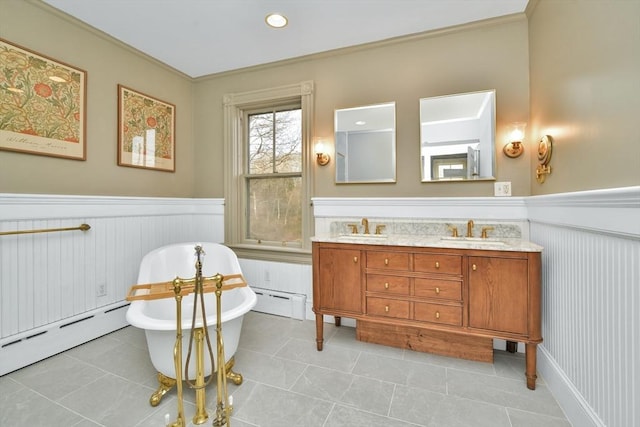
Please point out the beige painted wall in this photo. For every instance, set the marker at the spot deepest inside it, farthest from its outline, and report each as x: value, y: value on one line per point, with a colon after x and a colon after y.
x: 37, y: 27
x: 483, y: 56
x: 582, y: 60
x: 585, y: 92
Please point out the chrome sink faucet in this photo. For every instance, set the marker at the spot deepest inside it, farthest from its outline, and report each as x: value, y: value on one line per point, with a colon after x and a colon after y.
x: 470, y: 228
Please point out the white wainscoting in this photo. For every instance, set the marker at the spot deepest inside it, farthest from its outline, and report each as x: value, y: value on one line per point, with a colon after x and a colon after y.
x: 590, y: 357
x: 61, y: 289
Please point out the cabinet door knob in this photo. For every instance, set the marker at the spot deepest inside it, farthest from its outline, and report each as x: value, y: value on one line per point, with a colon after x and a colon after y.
x: 437, y: 314
x: 355, y: 259
x: 386, y: 261
x: 437, y: 264
x: 473, y: 267
x: 437, y: 291
x: 386, y: 285
x: 386, y: 308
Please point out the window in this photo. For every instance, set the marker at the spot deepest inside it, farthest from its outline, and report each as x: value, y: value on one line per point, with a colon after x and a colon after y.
x: 267, y: 181
x: 274, y: 179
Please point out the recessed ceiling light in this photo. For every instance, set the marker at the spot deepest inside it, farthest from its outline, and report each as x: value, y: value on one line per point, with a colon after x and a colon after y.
x: 361, y: 123
x: 276, y: 20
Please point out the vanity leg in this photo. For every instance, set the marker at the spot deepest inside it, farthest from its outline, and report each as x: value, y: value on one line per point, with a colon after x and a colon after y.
x: 319, y: 331
x: 338, y: 320
x: 512, y: 346
x: 531, y: 357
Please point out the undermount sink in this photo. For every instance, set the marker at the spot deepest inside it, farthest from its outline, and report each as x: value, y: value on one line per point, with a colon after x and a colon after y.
x: 473, y: 241
x: 362, y: 236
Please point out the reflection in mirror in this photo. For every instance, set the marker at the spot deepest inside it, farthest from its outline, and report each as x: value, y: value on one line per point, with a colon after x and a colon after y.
x: 457, y: 137
x: 365, y: 139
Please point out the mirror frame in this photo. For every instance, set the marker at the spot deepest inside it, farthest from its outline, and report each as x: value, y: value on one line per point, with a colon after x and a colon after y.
x: 374, y: 121
x: 468, y: 154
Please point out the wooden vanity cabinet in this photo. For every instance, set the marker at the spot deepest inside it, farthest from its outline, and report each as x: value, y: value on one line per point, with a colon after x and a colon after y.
x: 447, y: 301
x: 339, y: 269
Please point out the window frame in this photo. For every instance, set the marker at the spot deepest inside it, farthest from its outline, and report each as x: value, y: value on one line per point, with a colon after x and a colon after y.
x: 236, y: 106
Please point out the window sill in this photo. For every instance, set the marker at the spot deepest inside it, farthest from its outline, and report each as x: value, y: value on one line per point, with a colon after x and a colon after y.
x: 272, y: 253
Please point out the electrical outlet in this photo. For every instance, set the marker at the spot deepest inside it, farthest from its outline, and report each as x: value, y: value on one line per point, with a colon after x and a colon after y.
x: 502, y: 189
x: 102, y: 290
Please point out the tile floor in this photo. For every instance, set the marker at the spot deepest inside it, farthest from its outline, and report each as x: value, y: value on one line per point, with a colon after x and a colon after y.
x: 287, y: 383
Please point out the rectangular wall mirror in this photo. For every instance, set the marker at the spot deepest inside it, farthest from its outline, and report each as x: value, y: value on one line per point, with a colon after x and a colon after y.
x: 457, y: 137
x: 365, y: 140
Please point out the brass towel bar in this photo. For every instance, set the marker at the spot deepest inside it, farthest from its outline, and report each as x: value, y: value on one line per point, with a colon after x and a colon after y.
x: 83, y: 227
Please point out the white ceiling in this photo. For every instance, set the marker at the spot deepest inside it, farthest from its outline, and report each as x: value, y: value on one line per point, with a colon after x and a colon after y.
x: 201, y: 37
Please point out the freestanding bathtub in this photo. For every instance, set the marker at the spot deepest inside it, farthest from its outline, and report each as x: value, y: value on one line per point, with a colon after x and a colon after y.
x: 158, y: 317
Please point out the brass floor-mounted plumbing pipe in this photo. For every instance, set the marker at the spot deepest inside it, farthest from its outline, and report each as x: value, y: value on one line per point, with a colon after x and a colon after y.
x: 223, y: 405
x: 199, y: 335
x: 82, y: 227
x: 177, y: 353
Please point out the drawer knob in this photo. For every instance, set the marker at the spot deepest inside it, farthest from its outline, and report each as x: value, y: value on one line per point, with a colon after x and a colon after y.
x: 437, y: 291
x: 437, y: 314
x: 386, y: 261
x: 473, y: 267
x: 437, y: 264
x: 386, y: 308
x: 386, y: 285
x: 355, y: 259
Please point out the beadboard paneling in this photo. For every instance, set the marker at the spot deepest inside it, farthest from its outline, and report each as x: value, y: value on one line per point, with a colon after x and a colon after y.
x: 48, y: 278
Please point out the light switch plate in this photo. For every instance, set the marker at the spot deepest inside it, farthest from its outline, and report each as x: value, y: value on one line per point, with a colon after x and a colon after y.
x: 502, y: 189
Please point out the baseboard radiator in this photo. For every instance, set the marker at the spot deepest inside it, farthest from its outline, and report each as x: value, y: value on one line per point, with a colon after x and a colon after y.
x: 32, y: 346
x: 280, y: 303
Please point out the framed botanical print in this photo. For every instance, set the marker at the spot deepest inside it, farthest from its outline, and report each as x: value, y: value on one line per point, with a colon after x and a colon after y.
x: 146, y: 131
x: 42, y: 104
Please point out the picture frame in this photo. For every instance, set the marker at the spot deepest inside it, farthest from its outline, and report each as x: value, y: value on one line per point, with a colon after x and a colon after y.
x: 146, y: 131
x: 43, y: 104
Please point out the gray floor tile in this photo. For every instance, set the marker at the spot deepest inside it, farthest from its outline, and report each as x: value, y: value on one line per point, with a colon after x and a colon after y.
x: 402, y: 372
x: 267, y: 369
x: 349, y: 390
x: 108, y: 382
x: 28, y: 408
x: 502, y: 391
x: 56, y: 377
x: 338, y: 358
x: 110, y: 401
x: 529, y: 419
x: 342, y: 416
x: 268, y: 406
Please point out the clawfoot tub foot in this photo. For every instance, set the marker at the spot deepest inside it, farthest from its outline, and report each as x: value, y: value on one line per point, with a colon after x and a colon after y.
x: 235, y: 377
x: 164, y: 385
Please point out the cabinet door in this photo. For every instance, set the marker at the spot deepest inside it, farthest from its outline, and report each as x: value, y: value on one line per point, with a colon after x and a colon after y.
x: 498, y: 294
x: 340, y: 280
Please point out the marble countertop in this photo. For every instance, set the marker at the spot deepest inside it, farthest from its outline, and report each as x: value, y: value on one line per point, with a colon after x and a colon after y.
x: 492, y: 244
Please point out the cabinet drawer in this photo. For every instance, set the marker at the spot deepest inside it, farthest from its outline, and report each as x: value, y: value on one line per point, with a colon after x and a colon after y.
x: 434, y: 288
x: 438, y: 263
x: 437, y: 313
x: 389, y: 284
x: 388, y: 307
x: 388, y: 260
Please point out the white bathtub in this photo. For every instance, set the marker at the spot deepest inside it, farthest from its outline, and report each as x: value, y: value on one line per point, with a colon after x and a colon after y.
x: 158, y: 317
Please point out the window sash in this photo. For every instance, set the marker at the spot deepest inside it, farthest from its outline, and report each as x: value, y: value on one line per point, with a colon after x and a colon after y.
x: 236, y: 106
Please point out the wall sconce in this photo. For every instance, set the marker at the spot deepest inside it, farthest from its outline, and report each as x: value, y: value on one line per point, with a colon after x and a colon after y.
x: 322, y: 158
x: 514, y: 147
x: 545, y: 146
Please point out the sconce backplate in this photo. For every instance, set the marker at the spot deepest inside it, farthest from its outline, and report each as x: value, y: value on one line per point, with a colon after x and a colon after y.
x: 545, y: 147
